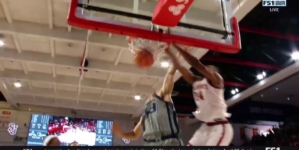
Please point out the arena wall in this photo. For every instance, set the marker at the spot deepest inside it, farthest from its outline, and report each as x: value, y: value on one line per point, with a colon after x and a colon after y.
x: 22, y: 119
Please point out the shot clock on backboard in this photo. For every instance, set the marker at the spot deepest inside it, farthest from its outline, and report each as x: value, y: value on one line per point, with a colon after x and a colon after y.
x: 274, y: 5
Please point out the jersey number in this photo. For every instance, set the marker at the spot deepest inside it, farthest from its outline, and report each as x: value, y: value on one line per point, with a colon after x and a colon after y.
x: 199, y: 95
x: 151, y: 109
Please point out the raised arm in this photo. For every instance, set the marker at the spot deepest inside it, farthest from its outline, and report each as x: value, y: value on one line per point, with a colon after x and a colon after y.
x: 187, y: 75
x: 132, y: 135
x: 168, y: 84
x: 213, y: 76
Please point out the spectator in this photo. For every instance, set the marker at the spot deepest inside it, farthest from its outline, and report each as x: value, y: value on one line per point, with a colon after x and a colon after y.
x: 74, y: 144
x: 51, y: 140
x: 286, y: 135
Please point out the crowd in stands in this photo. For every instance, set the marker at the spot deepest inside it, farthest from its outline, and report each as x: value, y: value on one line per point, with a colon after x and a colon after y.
x: 286, y: 135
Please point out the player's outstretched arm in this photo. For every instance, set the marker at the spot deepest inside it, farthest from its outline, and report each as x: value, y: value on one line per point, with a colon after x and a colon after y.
x: 168, y: 83
x: 132, y: 135
x: 187, y: 75
x: 195, y: 63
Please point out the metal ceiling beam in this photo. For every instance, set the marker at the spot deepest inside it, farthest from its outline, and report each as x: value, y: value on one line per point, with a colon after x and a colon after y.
x: 59, y: 33
x: 72, y: 62
x: 269, y: 33
x: 281, y: 75
x: 73, y: 81
x: 72, y: 96
x: 240, y: 62
x: 44, y: 101
x: 6, y: 10
x: 50, y: 13
x: 58, y: 111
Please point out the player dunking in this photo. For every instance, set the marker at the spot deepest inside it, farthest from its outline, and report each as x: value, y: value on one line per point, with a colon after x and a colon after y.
x: 208, y: 93
x: 159, y: 123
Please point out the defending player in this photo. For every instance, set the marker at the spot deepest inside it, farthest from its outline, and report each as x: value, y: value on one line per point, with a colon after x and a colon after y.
x: 208, y: 93
x: 159, y: 123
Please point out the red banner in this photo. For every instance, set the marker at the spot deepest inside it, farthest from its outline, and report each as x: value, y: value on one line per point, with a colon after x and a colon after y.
x: 5, y: 112
x: 170, y: 12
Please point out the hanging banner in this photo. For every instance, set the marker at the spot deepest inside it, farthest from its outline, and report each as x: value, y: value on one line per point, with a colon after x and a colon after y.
x: 6, y: 116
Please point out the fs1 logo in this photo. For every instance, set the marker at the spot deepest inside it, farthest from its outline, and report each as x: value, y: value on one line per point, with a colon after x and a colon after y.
x: 274, y: 3
x: 272, y: 148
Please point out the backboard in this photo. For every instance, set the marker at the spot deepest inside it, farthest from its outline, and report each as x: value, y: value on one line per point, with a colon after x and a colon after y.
x: 196, y: 23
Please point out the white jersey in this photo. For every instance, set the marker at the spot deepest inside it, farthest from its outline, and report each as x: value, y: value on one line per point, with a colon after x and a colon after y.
x: 210, y: 101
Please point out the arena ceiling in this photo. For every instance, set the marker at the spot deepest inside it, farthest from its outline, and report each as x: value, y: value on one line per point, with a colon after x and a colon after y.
x: 268, y: 42
x: 284, y: 92
x: 40, y: 58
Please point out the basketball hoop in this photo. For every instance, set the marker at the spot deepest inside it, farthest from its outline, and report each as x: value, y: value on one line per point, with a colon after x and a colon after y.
x: 155, y: 47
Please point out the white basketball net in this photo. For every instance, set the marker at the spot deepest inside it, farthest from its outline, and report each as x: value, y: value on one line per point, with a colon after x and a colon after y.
x: 155, y: 47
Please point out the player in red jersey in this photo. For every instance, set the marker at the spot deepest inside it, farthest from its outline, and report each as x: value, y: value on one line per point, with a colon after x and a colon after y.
x: 208, y: 93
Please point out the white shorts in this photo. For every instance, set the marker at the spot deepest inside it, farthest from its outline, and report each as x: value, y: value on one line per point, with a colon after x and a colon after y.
x: 213, y: 134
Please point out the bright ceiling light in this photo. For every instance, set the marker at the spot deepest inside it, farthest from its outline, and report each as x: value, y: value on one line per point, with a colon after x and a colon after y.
x: 233, y: 92
x: 295, y: 56
x: 264, y: 74
x: 165, y: 64
x: 137, y: 97
x: 260, y: 76
x: 17, y: 84
x: 1, y: 43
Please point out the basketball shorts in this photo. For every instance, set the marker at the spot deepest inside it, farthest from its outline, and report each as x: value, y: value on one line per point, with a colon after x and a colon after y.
x: 213, y: 134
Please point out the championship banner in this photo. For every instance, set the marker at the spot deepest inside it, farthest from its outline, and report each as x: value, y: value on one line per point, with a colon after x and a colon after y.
x: 6, y: 116
x: 145, y: 148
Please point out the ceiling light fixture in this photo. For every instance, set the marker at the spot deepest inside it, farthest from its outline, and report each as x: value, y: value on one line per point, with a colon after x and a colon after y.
x: 2, y: 43
x: 261, y: 75
x: 17, y: 84
x: 276, y: 88
x: 262, y: 95
x: 234, y: 91
x: 264, y: 73
x: 137, y: 97
x: 295, y: 55
x: 165, y: 64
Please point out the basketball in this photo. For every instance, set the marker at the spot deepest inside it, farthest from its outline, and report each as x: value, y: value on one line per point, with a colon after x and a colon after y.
x: 144, y: 58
